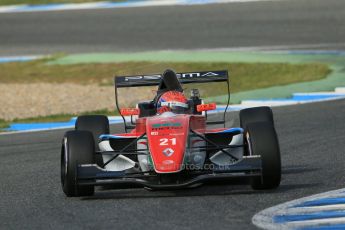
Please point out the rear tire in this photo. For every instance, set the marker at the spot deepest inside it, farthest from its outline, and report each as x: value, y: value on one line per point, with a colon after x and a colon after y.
x: 97, y: 125
x: 256, y: 114
x: 77, y: 148
x: 261, y: 139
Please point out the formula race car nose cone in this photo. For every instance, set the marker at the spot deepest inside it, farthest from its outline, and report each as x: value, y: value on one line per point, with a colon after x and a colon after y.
x: 167, y: 140
x: 168, y: 152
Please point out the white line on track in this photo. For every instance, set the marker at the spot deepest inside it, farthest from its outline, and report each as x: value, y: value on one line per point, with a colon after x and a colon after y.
x: 265, y: 218
x: 109, y: 4
x: 334, y: 207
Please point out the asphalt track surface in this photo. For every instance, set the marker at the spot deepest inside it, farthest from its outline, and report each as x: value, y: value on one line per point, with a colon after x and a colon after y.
x: 302, y: 24
x: 312, y: 148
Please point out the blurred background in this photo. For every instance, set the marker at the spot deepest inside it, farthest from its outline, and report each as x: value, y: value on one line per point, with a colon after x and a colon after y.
x: 58, y: 57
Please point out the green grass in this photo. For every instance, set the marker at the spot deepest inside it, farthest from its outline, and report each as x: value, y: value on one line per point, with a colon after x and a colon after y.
x: 64, y: 117
x: 243, y: 76
x: 4, y: 124
x: 38, y: 2
x: 54, y: 118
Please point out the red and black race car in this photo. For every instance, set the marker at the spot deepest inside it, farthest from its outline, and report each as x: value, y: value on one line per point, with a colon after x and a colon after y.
x: 167, y: 143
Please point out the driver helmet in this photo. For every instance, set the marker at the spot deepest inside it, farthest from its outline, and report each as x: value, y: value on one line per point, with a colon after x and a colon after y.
x: 173, y: 101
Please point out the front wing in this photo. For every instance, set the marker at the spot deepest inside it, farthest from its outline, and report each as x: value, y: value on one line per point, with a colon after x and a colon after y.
x: 92, y: 174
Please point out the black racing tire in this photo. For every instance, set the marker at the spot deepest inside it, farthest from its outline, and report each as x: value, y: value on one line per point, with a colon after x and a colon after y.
x: 261, y: 139
x: 77, y: 148
x: 97, y: 125
x: 256, y: 114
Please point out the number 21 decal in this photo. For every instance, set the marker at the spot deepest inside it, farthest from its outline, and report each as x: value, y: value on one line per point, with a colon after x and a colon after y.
x: 165, y: 141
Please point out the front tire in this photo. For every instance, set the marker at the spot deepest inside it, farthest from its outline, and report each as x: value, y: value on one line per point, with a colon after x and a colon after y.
x: 256, y: 114
x: 77, y: 148
x: 261, y: 139
x: 97, y: 125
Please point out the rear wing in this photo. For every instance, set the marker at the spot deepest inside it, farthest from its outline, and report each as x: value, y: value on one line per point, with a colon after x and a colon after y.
x: 184, y: 78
